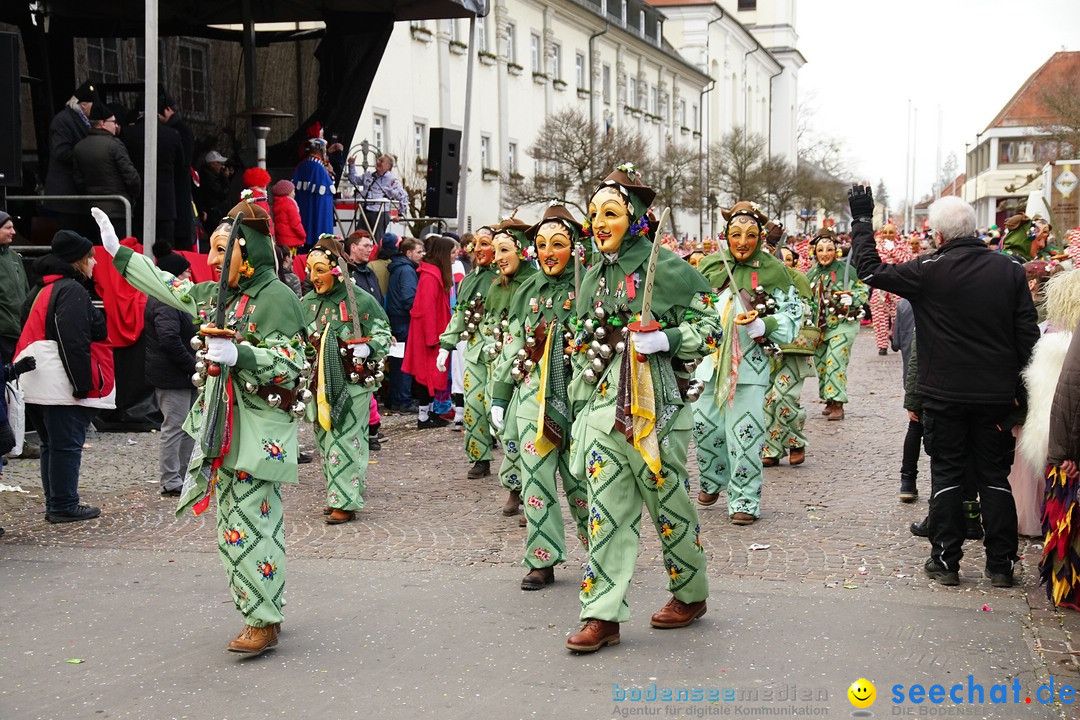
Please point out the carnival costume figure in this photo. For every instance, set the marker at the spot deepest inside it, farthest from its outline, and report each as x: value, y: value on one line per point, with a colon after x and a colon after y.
x: 512, y: 259
x: 883, y: 304
x: 250, y: 358
x: 729, y: 425
x: 466, y: 326
x: 785, y: 415
x: 632, y: 423
x: 837, y: 296
x: 532, y: 374
x: 348, y: 336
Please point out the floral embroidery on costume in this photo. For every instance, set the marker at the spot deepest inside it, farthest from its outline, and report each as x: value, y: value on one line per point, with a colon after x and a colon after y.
x: 595, y: 523
x: 667, y: 528
x: 243, y: 477
x: 267, y: 569
x: 541, y: 554
x: 595, y: 466
x: 264, y: 509
x: 535, y: 502
x: 674, y: 571
x: 588, y: 580
x: 273, y: 451
x: 234, y: 537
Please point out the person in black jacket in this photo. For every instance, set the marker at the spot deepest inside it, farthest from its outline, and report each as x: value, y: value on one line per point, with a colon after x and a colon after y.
x: 63, y: 398
x: 67, y: 128
x: 170, y: 364
x: 170, y: 171
x: 976, y: 326
x: 358, y: 247
x: 184, y: 229
x: 102, y: 164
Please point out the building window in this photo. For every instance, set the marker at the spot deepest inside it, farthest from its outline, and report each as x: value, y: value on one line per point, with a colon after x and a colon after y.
x: 654, y: 100
x: 605, y: 77
x: 579, y: 70
x: 378, y: 132
x: 511, y: 158
x: 511, y: 41
x: 622, y: 12
x: 556, y: 62
x: 641, y: 22
x: 452, y: 30
x: 631, y: 97
x: 420, y: 140
x: 481, y: 34
x: 680, y: 114
x: 192, y: 71
x: 485, y: 152
x: 697, y: 119
x: 103, y: 59
x: 747, y: 4
x: 534, y: 53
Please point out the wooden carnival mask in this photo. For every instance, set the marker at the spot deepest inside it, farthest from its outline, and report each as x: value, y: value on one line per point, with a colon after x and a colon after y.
x: 507, y: 254
x: 554, y: 247
x: 609, y: 218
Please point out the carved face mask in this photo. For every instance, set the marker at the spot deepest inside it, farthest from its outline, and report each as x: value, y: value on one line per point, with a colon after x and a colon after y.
x: 218, y: 242
x: 483, y: 249
x: 610, y: 219
x: 553, y: 247
x: 788, y: 257
x: 320, y: 272
x: 743, y: 235
x: 507, y: 255
x: 825, y: 252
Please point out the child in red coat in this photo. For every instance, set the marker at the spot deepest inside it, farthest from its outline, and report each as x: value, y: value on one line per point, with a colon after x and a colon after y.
x: 288, y: 229
x: 430, y: 315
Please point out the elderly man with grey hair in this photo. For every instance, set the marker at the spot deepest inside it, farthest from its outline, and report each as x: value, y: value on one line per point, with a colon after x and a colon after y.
x: 976, y: 326
x: 379, y: 185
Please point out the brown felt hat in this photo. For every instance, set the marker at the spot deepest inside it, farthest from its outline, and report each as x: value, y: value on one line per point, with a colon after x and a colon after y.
x: 747, y: 208
x: 330, y: 244
x: 1014, y: 221
x: 629, y: 178
x: 255, y: 216
x: 555, y: 212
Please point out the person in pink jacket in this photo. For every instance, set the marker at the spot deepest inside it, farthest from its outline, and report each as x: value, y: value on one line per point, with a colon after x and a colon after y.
x: 288, y: 229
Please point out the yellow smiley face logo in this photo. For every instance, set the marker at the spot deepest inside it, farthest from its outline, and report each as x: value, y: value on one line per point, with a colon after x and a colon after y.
x: 862, y: 693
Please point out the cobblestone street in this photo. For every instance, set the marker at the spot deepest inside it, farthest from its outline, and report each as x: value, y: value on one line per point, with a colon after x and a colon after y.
x: 833, y: 524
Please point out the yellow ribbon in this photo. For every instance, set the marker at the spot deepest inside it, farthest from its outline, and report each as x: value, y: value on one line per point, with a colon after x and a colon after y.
x: 543, y: 444
x: 321, y: 402
x: 643, y: 411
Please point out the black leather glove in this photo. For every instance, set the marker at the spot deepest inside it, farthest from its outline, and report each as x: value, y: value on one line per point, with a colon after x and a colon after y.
x: 25, y: 365
x: 861, y: 202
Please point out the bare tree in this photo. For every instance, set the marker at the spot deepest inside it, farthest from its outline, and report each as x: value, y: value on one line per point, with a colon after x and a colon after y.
x: 678, y: 183
x: 881, y: 195
x: 736, y: 165
x: 575, y: 156
x: 778, y: 188
x: 1062, y: 99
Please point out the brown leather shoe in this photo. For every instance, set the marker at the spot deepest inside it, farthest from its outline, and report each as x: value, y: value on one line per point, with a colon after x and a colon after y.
x: 513, y: 502
x: 769, y: 462
x: 327, y: 510
x: 837, y: 412
x: 253, y: 640
x: 741, y: 518
x: 704, y: 498
x: 480, y: 469
x: 828, y: 408
x: 538, y: 578
x: 677, y: 614
x: 522, y: 520
x: 340, y: 516
x: 797, y: 456
x: 594, y: 635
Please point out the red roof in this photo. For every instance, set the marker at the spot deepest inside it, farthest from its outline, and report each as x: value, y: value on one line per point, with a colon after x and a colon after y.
x: 1027, y: 108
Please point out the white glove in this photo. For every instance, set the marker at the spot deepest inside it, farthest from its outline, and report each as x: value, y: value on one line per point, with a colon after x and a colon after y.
x: 221, y: 350
x: 755, y: 329
x: 845, y: 300
x: 361, y: 351
x: 498, y: 417
x: 648, y: 343
x: 440, y: 360
x: 109, y: 241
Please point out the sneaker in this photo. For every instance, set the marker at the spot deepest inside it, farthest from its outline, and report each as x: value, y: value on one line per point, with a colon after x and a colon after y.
x: 381, y: 438
x: 1002, y: 579
x: 82, y: 512
x: 173, y: 491
x: 935, y: 571
x: 302, y: 458
x: 433, y: 421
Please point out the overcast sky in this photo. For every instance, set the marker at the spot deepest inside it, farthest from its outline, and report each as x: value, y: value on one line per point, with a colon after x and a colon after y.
x: 865, y: 60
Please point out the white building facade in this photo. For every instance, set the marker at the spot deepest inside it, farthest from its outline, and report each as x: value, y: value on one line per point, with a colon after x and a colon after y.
x: 627, y: 63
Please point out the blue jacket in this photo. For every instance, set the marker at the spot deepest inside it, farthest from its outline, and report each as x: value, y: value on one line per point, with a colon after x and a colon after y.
x: 400, y: 293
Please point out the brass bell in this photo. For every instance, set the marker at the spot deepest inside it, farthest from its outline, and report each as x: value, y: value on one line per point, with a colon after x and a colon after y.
x: 504, y: 323
x: 471, y: 328
x: 529, y: 365
x: 770, y: 303
x: 298, y: 409
x: 369, y: 381
x: 249, y: 387
x: 625, y: 332
x: 620, y: 347
x: 530, y: 341
x: 568, y: 336
x: 198, y: 380
x: 516, y: 374
x: 522, y: 353
x: 589, y: 376
x: 759, y: 290
x: 306, y: 369
x: 605, y: 351
x: 601, y: 313
x: 273, y: 400
x: 315, y: 337
x: 760, y: 307
x: 464, y: 335
x: 589, y: 325
x: 354, y: 377
x: 196, y: 343
x: 600, y: 334
x: 305, y: 395
x: 598, y: 365
x: 379, y: 376
x: 590, y: 354
x: 200, y: 367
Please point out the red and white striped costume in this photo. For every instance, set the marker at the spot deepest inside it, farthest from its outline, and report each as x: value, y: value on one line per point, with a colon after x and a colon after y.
x: 892, y: 250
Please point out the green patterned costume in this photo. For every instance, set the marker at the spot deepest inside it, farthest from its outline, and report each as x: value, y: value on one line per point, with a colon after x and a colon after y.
x: 785, y: 416
x: 839, y: 324
x: 539, y: 322
x: 618, y: 477
x: 344, y: 446
x: 471, y: 297
x: 261, y: 439
x: 729, y: 422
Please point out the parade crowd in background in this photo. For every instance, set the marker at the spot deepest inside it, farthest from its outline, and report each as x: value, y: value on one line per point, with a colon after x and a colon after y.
x: 591, y: 348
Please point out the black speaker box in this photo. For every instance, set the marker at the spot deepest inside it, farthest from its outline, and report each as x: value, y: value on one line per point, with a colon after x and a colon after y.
x: 10, y: 116
x: 444, y: 169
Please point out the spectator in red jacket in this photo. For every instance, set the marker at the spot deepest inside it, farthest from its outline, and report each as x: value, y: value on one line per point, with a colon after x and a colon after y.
x: 288, y: 230
x: 429, y: 318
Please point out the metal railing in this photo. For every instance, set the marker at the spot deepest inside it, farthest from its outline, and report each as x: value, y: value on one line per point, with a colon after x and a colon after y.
x: 121, y: 198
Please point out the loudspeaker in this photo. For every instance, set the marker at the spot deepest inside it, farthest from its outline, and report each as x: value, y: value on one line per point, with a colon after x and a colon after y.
x: 444, y: 168
x: 10, y: 115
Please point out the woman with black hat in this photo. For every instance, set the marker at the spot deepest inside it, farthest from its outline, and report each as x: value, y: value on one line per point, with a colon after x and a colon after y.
x: 837, y: 298
x: 632, y: 423
x: 74, y: 377
x: 531, y: 376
